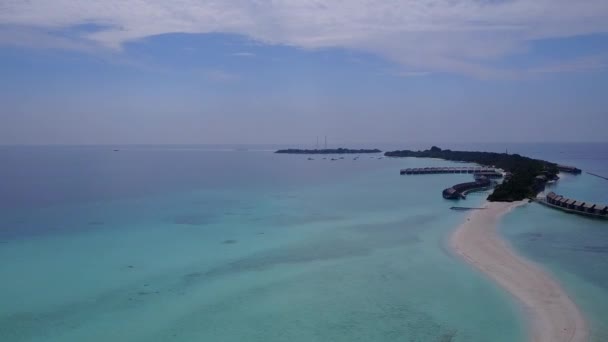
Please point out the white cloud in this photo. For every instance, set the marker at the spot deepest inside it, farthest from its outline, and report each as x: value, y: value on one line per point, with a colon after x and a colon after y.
x: 462, y: 36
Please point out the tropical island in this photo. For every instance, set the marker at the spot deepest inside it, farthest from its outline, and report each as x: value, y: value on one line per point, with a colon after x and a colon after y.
x: 328, y: 151
x: 526, y: 176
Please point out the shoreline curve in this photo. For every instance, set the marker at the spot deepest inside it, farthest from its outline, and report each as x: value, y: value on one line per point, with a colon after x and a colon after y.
x: 554, y: 316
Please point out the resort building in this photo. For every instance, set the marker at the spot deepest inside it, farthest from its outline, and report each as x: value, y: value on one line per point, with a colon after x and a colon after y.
x: 436, y: 170
x: 578, y: 207
x: 459, y: 191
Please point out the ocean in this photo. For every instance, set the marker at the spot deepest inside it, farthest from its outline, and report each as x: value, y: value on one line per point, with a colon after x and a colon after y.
x: 216, y: 243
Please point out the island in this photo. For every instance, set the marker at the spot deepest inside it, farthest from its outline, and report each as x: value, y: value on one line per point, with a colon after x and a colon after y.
x: 328, y: 151
x: 525, y: 177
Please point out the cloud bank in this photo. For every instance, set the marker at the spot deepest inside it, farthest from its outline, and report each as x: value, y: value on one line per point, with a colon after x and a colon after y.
x: 455, y: 36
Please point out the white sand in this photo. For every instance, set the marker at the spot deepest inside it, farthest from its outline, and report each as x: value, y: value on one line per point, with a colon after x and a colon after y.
x: 554, y: 317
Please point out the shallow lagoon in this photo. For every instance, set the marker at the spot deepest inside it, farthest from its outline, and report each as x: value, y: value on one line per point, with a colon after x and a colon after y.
x: 187, y: 244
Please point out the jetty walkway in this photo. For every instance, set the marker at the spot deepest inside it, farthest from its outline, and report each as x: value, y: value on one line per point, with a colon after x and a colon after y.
x: 436, y: 170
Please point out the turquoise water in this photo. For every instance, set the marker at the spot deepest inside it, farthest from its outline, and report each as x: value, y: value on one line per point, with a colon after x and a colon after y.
x: 185, y: 244
x: 573, y: 248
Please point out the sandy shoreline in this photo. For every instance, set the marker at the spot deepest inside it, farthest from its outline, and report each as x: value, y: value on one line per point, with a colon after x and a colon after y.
x: 554, y: 316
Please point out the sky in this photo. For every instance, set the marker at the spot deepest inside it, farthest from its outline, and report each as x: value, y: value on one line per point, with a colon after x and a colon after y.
x: 285, y: 72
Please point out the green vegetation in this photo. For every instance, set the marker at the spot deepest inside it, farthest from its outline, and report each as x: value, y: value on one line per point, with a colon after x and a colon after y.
x: 522, y: 183
x: 327, y: 151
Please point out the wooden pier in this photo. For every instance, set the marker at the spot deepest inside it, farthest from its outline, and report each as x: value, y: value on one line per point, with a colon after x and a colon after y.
x: 489, y: 171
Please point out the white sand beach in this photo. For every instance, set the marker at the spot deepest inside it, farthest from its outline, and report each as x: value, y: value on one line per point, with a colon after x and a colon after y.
x: 554, y: 316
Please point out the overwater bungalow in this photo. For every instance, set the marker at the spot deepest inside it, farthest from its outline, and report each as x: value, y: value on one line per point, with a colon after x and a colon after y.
x: 589, y: 207
x: 459, y: 191
x: 491, y: 172
x: 571, y: 204
x: 574, y: 206
x: 488, y: 174
x: 451, y: 193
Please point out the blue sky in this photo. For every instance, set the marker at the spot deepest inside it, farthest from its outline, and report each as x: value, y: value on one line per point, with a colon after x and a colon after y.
x: 137, y: 72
